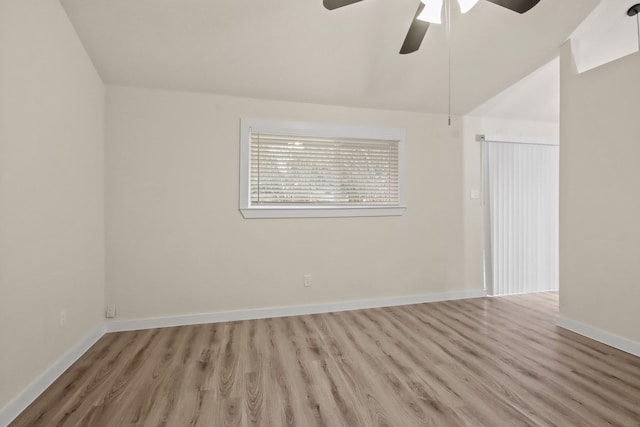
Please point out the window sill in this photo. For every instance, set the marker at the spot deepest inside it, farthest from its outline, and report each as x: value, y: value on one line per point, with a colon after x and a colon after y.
x: 329, y: 212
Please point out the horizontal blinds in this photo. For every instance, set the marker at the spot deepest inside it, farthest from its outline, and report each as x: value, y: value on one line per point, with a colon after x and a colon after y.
x: 304, y: 170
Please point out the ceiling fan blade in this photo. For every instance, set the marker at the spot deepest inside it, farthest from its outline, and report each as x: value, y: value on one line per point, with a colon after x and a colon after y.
x: 416, y: 33
x: 334, y: 4
x: 520, y: 6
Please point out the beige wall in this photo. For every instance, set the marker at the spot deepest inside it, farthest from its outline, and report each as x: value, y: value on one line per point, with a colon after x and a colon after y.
x: 599, y: 196
x: 177, y: 244
x: 51, y: 191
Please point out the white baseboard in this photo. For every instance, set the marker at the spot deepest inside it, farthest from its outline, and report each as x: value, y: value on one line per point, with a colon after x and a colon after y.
x: 604, y: 337
x: 264, y: 313
x: 24, y: 399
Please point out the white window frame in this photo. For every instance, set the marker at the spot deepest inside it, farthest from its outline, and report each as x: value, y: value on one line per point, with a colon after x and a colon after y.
x: 324, y: 130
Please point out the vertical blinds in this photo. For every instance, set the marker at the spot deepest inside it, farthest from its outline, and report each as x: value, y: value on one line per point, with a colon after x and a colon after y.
x: 522, y: 202
x: 302, y: 170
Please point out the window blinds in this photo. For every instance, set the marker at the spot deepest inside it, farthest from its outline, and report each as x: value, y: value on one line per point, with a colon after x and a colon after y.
x: 301, y: 170
x: 521, y: 190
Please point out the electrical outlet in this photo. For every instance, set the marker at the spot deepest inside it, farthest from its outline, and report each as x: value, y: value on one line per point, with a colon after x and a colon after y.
x: 63, y: 318
x: 307, y: 280
x: 111, y: 311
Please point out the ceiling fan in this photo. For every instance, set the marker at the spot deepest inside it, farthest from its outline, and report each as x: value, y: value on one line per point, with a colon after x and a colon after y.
x: 429, y: 11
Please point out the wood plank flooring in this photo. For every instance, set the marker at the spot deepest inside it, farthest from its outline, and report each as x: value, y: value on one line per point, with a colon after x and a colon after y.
x: 481, y: 362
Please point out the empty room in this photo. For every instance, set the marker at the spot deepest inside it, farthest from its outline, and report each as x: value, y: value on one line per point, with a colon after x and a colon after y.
x: 319, y: 213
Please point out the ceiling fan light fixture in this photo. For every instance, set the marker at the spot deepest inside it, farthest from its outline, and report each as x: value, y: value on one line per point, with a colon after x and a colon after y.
x: 466, y: 5
x: 432, y: 11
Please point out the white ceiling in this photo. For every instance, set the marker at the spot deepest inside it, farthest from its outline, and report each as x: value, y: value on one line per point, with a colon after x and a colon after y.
x: 296, y: 50
x: 605, y: 35
x: 536, y: 97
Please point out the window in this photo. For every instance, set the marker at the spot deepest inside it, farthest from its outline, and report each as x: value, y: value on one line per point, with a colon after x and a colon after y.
x: 303, y: 169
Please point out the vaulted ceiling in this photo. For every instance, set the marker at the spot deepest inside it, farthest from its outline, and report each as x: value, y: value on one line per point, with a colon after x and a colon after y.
x: 296, y: 50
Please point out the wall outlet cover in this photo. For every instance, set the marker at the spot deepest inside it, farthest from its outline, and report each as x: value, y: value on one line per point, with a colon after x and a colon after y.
x: 110, y: 312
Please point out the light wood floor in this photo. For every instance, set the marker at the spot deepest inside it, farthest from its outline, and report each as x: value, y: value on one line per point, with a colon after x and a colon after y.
x: 483, y: 362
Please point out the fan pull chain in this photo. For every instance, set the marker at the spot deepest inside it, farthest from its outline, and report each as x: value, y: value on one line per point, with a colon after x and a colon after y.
x: 638, y: 26
x: 448, y: 22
